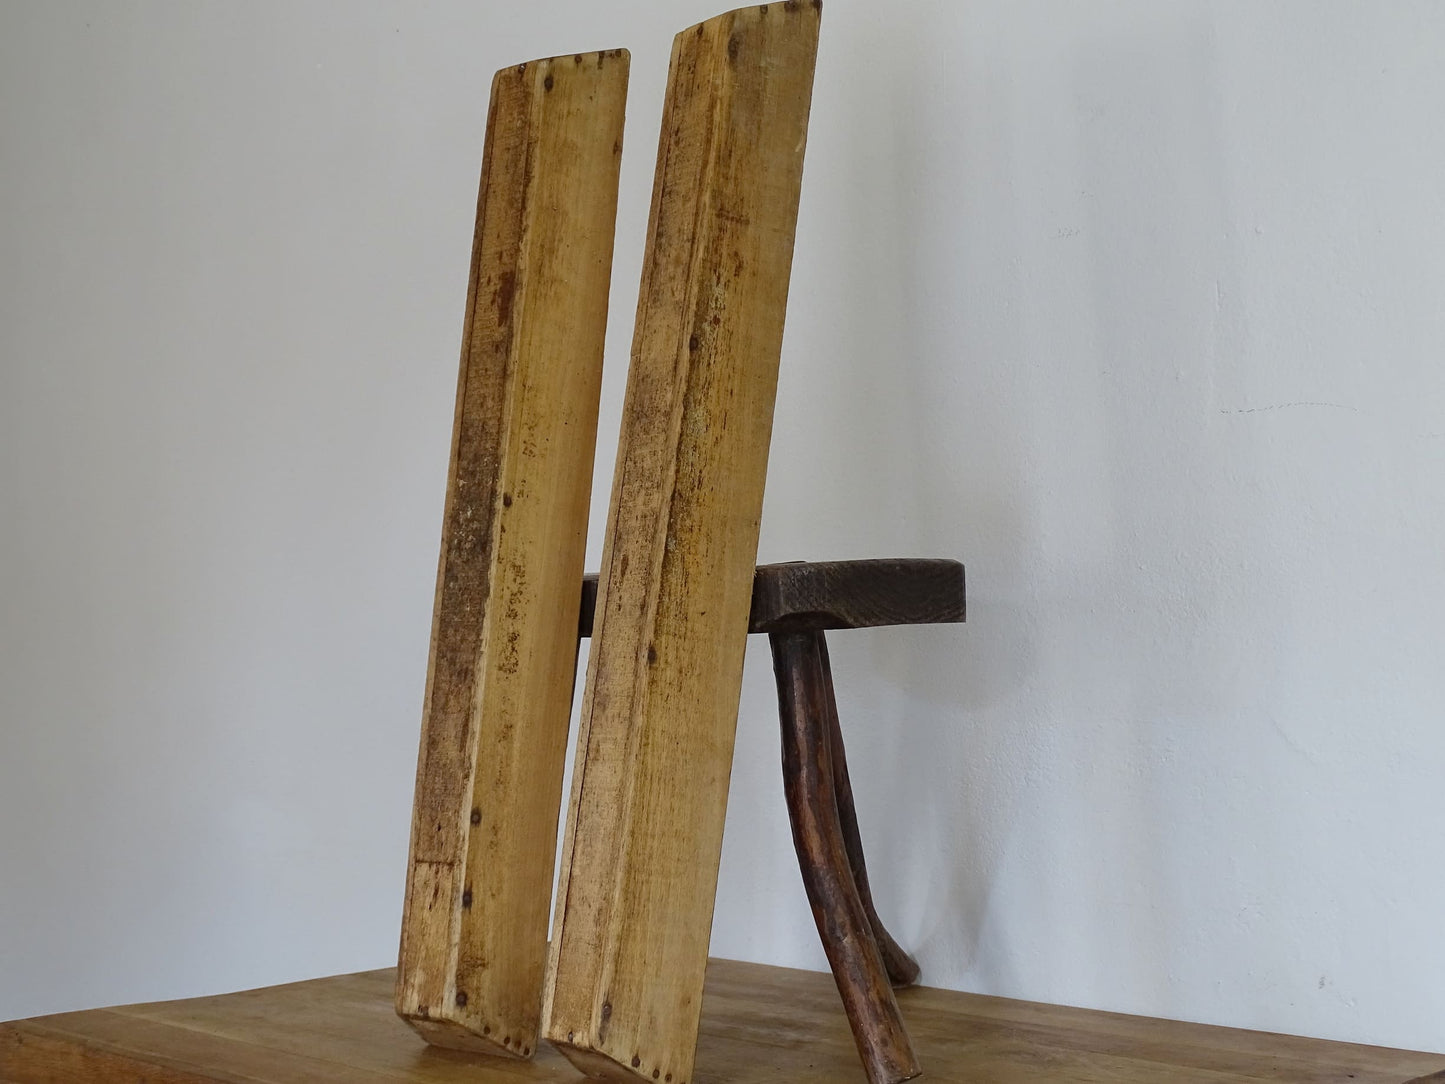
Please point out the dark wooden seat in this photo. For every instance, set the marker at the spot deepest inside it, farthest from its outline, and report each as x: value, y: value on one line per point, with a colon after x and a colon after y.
x: 794, y: 604
x: 813, y: 596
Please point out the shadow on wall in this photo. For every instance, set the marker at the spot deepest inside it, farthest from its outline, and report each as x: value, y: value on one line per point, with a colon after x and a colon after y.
x: 929, y: 346
x: 1043, y: 398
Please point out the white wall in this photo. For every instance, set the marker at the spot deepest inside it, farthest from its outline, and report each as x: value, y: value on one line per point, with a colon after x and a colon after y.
x: 1135, y: 307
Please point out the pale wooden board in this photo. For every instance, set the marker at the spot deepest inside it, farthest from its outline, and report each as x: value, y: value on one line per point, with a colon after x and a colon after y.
x: 504, y: 635
x: 760, y: 1025
x: 645, y: 822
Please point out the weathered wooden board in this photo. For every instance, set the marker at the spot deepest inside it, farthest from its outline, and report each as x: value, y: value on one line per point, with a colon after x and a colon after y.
x: 645, y: 822
x: 504, y: 633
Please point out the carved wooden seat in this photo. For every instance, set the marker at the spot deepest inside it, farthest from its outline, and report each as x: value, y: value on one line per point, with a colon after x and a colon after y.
x: 795, y: 604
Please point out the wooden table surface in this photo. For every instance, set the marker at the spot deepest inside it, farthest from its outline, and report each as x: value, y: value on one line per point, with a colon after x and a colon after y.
x: 759, y: 1024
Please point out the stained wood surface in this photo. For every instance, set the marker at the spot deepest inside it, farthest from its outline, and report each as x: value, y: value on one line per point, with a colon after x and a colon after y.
x: 644, y: 833
x: 808, y: 595
x: 760, y: 1025
x: 494, y: 730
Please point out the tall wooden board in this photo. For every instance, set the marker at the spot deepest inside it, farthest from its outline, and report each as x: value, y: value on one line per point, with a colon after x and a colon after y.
x: 504, y: 633
x: 645, y: 821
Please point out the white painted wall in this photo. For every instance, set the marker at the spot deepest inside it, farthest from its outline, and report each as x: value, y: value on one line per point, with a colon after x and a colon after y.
x: 1135, y: 307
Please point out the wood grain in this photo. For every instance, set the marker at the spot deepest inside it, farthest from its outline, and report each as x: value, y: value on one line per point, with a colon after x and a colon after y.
x: 645, y: 822
x: 760, y: 1025
x: 494, y: 728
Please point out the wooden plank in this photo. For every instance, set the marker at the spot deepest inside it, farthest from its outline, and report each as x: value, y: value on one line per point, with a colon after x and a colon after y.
x: 645, y: 821
x: 760, y: 1024
x: 499, y: 681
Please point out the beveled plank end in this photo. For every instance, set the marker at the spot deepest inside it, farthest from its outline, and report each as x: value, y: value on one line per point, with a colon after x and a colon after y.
x: 451, y: 1035
x: 598, y: 1066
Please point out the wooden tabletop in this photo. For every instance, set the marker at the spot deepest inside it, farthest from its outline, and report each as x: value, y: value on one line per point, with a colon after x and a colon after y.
x: 759, y: 1024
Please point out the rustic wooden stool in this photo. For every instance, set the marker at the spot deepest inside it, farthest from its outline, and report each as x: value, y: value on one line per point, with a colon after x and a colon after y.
x: 794, y: 604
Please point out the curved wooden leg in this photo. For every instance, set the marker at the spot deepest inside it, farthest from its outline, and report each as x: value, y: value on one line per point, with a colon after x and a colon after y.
x: 902, y: 968
x: 843, y: 925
